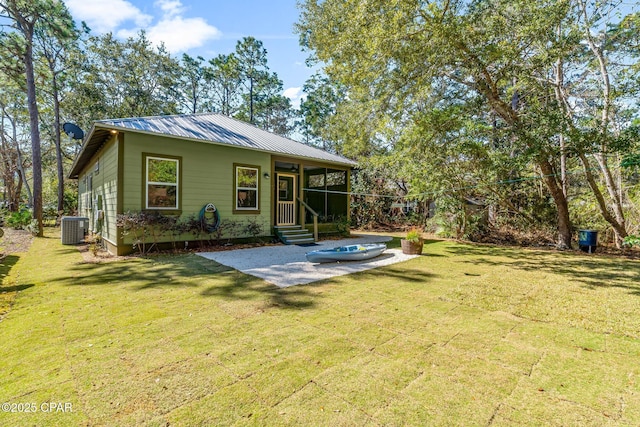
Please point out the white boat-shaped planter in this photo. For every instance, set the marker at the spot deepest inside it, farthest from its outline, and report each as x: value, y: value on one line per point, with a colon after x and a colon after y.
x: 347, y: 253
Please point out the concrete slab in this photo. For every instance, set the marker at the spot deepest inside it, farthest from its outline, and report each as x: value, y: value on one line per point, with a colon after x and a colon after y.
x: 286, y: 266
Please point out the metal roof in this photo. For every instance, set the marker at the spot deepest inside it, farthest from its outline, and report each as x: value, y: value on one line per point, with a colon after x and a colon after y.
x: 209, y: 128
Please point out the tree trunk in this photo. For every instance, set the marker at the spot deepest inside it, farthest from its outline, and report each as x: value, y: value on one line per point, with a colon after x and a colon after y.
x: 8, y: 177
x: 563, y: 166
x: 35, y: 134
x: 7, y: 170
x: 548, y: 173
x: 559, y: 98
x: 251, y: 101
x: 564, y: 223
x: 619, y: 228
x: 614, y: 190
x: 18, y: 192
x: 23, y: 176
x: 12, y: 159
x: 58, y: 142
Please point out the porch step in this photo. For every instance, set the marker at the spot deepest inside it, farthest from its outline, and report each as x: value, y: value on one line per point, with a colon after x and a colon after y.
x: 293, y: 235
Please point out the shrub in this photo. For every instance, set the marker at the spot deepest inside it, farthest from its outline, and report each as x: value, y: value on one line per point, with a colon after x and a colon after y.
x: 19, y: 220
x: 148, y: 229
x: 137, y: 225
x: 50, y: 215
x: 343, y: 224
x: 95, y: 242
x: 632, y: 240
x: 33, y: 227
x: 253, y: 228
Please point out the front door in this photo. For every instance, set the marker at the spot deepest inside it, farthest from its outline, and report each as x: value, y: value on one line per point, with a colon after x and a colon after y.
x: 286, y: 198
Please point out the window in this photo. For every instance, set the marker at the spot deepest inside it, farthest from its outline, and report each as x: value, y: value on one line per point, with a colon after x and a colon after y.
x: 246, y: 188
x: 162, y: 177
x: 336, y: 178
x: 316, y: 181
x: 89, y: 191
x: 326, y: 191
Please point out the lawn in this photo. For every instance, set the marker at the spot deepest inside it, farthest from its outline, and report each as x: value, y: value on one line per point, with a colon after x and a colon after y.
x: 463, y: 335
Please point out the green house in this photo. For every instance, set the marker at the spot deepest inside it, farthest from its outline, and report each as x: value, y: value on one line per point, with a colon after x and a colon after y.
x: 177, y: 165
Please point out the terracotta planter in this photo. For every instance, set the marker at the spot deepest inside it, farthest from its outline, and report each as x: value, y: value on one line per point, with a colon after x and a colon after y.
x: 412, y: 248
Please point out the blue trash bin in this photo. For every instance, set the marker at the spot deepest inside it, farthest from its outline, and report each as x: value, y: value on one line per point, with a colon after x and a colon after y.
x: 588, y: 240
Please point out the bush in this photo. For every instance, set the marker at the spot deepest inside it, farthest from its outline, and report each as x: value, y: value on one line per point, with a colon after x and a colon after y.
x: 253, y: 228
x: 632, y: 240
x: 33, y: 227
x: 50, y: 215
x: 343, y: 224
x: 149, y: 229
x: 19, y: 220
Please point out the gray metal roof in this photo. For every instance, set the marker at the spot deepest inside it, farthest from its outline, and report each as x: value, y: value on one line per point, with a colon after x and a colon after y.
x: 209, y: 128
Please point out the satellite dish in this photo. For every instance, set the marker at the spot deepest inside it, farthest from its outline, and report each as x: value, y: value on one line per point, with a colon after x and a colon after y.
x: 73, y: 131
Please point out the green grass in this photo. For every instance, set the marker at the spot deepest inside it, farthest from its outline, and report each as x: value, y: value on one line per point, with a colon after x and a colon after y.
x: 463, y: 335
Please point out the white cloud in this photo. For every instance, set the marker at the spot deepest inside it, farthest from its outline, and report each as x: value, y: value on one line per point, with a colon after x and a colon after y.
x: 103, y: 16
x: 181, y: 34
x: 296, y: 95
x: 292, y: 93
x: 170, y: 7
x: 125, y: 34
x: 178, y: 33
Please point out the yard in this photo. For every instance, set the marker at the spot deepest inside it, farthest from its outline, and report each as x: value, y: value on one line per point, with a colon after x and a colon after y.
x: 463, y: 335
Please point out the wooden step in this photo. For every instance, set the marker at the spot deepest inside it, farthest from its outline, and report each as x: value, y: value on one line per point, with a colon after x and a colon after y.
x: 300, y: 241
x: 293, y: 234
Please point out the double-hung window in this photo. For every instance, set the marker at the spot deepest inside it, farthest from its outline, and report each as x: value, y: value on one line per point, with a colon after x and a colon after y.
x: 162, y: 182
x: 246, y: 183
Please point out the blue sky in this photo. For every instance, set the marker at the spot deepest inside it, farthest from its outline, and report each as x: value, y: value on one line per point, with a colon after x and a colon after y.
x: 206, y: 28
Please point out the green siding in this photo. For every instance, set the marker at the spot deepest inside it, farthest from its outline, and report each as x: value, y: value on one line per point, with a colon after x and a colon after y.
x: 104, y: 185
x: 207, y: 176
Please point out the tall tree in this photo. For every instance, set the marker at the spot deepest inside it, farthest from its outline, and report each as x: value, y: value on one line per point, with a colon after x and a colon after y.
x: 263, y: 106
x: 130, y: 78
x: 193, y: 87
x: 13, y: 119
x: 272, y: 111
x: 252, y: 60
x: 224, y: 80
x: 496, y: 55
x: 57, y: 51
x: 24, y: 17
x: 275, y: 114
x: 597, y: 99
x: 322, y: 99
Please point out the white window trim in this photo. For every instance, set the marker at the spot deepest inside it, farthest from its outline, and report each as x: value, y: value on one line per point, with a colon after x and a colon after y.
x: 147, y: 182
x: 256, y: 189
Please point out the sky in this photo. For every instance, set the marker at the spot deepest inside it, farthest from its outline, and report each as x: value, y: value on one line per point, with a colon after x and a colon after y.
x: 206, y: 28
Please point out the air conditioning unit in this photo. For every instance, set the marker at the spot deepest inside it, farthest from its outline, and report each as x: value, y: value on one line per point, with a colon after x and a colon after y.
x: 73, y: 229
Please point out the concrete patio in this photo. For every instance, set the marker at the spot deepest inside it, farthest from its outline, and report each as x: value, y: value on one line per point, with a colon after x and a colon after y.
x: 286, y: 266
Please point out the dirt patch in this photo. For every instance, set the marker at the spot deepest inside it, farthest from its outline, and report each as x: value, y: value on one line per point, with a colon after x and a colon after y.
x: 12, y: 242
x: 632, y: 253
x: 101, y: 255
x: 15, y: 241
x: 509, y: 236
x: 97, y: 257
